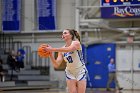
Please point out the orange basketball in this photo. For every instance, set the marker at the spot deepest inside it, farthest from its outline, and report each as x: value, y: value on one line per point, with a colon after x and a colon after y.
x: 41, y: 52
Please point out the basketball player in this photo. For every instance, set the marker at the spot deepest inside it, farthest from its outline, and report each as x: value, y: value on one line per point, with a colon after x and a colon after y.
x: 71, y: 52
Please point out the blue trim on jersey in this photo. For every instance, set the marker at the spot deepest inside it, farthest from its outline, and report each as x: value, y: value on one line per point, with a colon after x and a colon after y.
x: 67, y: 76
x: 80, y: 54
x: 84, y: 76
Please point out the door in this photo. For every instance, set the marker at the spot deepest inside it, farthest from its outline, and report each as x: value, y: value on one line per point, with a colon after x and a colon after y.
x: 98, y: 56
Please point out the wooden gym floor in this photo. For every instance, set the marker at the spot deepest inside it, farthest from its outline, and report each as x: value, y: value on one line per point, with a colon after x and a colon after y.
x: 64, y: 91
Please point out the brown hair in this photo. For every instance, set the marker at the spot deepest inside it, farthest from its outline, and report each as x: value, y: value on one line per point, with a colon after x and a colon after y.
x: 74, y: 34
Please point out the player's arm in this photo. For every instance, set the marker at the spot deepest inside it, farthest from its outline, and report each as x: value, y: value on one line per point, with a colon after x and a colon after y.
x: 74, y: 46
x: 56, y: 62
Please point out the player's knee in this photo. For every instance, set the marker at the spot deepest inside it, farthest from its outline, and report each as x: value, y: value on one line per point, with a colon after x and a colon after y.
x: 72, y: 91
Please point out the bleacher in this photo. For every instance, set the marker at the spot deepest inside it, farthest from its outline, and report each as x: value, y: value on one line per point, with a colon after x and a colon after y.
x: 31, y: 76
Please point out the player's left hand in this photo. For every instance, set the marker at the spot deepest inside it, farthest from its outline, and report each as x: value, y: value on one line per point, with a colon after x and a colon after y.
x: 48, y: 48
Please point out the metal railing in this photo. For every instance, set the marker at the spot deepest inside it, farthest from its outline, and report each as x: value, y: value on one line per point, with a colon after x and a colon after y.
x: 6, y: 42
x: 38, y: 61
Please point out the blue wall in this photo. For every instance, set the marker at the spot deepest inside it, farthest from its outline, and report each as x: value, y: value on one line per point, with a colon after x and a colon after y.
x: 98, y: 56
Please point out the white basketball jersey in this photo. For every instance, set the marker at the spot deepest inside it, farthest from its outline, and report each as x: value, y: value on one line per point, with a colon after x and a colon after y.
x: 74, y: 59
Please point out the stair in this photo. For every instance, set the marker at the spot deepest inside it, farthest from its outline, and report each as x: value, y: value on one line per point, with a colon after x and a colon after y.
x: 52, y: 84
x: 7, y: 84
x: 33, y: 77
x: 27, y: 78
x: 25, y: 72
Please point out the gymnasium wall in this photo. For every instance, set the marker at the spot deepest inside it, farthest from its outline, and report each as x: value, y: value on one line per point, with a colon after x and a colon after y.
x: 65, y: 9
x: 30, y: 36
x: 65, y: 14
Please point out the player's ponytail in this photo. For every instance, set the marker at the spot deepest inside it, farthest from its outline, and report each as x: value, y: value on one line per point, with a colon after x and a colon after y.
x: 77, y: 35
x: 74, y: 34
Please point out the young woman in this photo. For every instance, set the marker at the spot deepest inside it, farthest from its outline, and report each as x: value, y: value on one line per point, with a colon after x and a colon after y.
x: 71, y: 52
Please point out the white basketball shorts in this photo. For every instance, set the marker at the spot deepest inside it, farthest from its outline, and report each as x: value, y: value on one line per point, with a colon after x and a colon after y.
x: 77, y: 74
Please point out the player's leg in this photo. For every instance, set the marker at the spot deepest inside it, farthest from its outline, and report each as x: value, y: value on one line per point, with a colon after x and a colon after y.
x: 81, y: 86
x: 71, y: 82
x: 72, y: 87
x: 81, y: 80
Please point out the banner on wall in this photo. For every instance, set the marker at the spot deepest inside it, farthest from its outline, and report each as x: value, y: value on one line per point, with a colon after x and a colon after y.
x: 121, y: 12
x: 11, y: 15
x: 120, y: 8
x: 119, y: 2
x: 46, y: 14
